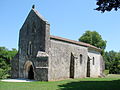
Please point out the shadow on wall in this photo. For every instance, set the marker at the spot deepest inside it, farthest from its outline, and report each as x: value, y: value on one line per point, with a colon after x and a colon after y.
x: 92, y: 85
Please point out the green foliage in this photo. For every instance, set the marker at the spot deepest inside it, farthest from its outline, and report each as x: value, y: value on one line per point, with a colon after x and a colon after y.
x: 112, y: 58
x: 112, y: 62
x: 106, y: 72
x: 5, y: 57
x: 4, y: 73
x: 93, y: 38
x: 108, y: 5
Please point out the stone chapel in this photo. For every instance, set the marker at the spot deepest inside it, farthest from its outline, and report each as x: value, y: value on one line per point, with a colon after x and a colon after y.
x: 44, y: 57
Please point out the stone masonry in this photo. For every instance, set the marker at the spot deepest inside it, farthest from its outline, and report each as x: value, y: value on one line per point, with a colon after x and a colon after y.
x: 44, y: 57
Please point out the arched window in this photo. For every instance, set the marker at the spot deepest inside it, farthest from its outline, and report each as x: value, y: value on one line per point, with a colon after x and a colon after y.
x: 30, y: 48
x: 81, y: 58
x: 93, y: 61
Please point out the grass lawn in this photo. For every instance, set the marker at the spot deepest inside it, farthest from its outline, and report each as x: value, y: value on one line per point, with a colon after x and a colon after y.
x: 112, y: 82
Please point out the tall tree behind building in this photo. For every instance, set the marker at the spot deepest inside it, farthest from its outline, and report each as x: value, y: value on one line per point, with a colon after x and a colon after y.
x: 93, y: 38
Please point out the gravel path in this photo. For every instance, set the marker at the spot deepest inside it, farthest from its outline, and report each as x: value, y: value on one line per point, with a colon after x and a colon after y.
x: 17, y: 80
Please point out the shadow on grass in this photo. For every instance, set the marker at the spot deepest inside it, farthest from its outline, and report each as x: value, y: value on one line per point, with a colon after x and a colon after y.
x: 92, y: 85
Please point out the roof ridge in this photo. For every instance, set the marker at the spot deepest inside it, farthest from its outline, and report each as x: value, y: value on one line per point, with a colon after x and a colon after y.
x: 74, y: 41
x: 39, y: 15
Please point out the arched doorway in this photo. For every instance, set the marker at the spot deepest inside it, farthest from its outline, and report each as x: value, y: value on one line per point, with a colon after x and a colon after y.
x: 28, y: 70
x: 30, y: 73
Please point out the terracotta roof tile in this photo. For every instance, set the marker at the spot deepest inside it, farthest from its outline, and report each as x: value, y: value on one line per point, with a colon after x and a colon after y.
x: 74, y: 42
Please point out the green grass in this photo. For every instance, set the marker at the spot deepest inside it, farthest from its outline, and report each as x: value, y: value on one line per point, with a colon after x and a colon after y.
x: 112, y: 82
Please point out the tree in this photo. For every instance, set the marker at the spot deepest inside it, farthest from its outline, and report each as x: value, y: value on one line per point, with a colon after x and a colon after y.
x: 112, y: 62
x: 93, y: 38
x: 107, y: 5
x: 5, y: 57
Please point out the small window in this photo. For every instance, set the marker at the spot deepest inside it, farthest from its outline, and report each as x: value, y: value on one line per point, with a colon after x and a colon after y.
x: 30, y: 48
x: 93, y: 61
x: 81, y: 57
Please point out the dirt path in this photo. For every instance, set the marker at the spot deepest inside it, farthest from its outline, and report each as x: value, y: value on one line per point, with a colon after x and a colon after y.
x: 113, y: 76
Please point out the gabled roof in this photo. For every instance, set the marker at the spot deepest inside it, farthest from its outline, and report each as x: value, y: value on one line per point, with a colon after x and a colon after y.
x: 74, y: 42
x: 39, y: 15
x: 64, y: 39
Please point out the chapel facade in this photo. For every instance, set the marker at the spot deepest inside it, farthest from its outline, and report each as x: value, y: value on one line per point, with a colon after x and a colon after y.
x: 44, y: 57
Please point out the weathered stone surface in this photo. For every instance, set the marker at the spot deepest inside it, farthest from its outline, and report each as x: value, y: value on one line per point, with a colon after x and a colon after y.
x: 94, y: 64
x: 42, y: 54
x: 41, y: 74
x: 51, y: 58
x: 60, y: 57
x: 33, y: 43
x: 15, y: 66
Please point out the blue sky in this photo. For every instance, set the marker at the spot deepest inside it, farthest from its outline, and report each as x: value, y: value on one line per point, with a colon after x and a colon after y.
x: 68, y: 19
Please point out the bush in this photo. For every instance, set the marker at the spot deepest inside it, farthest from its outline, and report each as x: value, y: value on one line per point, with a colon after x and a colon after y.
x: 106, y: 72
x: 4, y: 74
x: 5, y: 57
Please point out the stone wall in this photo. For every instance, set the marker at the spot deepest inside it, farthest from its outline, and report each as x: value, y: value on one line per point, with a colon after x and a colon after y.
x: 102, y: 66
x: 94, y: 64
x: 50, y: 58
x: 60, y: 56
x: 15, y: 67
x: 33, y: 37
x: 41, y: 68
